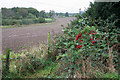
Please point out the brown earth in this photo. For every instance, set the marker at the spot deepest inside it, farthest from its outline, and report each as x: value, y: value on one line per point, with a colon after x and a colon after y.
x: 30, y: 35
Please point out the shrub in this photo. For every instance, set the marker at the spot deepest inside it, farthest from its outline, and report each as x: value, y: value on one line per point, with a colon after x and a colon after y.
x: 41, y: 20
x: 16, y: 22
x: 11, y: 22
x: 19, y: 22
x: 86, y: 46
x: 5, y: 22
x: 27, y: 21
x: 35, y: 20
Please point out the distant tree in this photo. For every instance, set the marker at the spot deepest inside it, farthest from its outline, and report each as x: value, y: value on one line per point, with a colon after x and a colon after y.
x: 61, y: 14
x: 23, y: 12
x: 66, y: 14
x: 31, y: 16
x: 15, y: 9
x: 19, y: 13
x: 16, y: 15
x: 51, y: 13
x: 42, y: 14
x: 7, y: 13
x: 57, y: 14
x: 33, y: 11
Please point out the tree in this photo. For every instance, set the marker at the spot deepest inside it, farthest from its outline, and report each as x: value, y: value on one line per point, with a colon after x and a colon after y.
x: 33, y: 11
x: 7, y: 13
x: 31, y: 16
x: 23, y: 12
x: 51, y: 13
x: 19, y: 13
x: 42, y: 14
x: 104, y: 10
x: 61, y: 14
x: 66, y: 14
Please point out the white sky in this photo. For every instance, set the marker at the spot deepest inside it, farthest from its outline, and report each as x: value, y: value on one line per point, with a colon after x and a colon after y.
x: 71, y: 6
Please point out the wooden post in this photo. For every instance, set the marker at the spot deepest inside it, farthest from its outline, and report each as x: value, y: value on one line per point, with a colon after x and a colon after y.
x: 111, y: 66
x: 7, y: 59
x: 48, y: 38
x: 48, y: 42
x: 83, y: 67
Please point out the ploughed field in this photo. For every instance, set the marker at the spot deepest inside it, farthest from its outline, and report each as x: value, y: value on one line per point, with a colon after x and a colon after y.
x: 16, y: 38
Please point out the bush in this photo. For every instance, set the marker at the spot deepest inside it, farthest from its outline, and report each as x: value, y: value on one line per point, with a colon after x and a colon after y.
x: 27, y: 21
x: 6, y: 22
x: 23, y: 21
x: 11, y: 22
x: 41, y: 20
x: 35, y: 20
x: 16, y: 22
x: 19, y: 22
x: 86, y: 46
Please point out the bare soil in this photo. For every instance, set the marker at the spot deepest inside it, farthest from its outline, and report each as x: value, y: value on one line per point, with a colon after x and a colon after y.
x: 30, y: 35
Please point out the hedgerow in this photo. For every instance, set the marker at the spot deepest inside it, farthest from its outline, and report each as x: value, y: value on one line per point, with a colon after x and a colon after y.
x: 88, y: 49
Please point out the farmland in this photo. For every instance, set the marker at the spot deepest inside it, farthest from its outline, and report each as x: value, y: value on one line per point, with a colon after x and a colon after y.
x: 15, y: 38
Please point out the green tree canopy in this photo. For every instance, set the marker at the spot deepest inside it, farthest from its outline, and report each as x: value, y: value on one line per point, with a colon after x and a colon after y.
x: 42, y: 14
x: 104, y: 10
x: 66, y: 14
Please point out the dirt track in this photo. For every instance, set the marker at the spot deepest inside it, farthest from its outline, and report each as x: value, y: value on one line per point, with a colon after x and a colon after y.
x: 14, y: 38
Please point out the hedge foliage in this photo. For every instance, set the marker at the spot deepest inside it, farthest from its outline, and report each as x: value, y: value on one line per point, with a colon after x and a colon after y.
x: 22, y: 21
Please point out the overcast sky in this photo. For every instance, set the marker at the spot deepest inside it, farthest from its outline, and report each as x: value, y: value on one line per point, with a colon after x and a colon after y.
x: 71, y: 6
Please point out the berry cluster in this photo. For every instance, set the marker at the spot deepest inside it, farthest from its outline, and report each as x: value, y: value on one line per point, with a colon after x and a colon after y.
x: 80, y: 36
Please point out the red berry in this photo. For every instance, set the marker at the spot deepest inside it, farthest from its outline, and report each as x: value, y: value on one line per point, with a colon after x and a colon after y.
x: 93, y: 30
x: 95, y: 41
x: 80, y: 41
x: 80, y: 45
x: 78, y: 36
x: 76, y: 39
x: 92, y: 41
x: 90, y: 32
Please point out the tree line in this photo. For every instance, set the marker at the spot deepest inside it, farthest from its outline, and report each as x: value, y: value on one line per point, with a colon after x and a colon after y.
x: 104, y: 10
x: 20, y: 13
x: 16, y: 15
x: 19, y: 16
